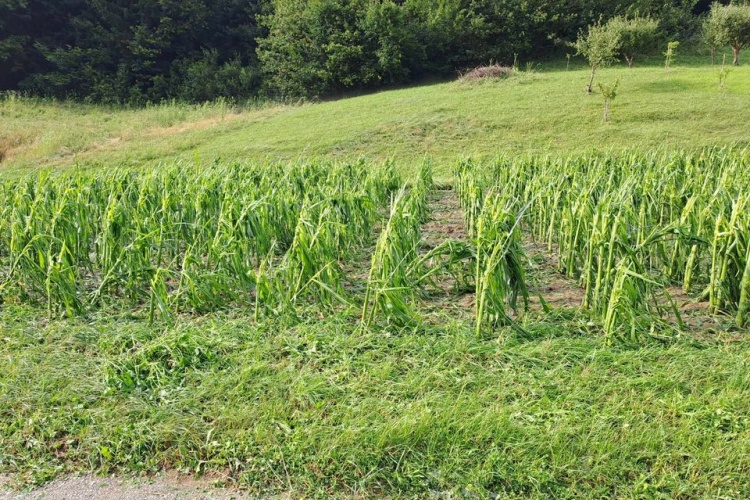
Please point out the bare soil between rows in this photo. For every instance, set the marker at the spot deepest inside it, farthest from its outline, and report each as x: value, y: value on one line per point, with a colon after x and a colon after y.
x: 545, y: 281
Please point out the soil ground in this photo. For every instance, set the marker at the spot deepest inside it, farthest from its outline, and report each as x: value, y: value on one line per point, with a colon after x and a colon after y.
x: 162, y: 487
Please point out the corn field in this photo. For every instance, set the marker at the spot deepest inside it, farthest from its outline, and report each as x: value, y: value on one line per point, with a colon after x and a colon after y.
x: 626, y: 227
x: 276, y: 238
x: 178, y: 239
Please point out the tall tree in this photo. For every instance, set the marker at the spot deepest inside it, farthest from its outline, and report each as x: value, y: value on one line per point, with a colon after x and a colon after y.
x: 729, y: 25
x: 637, y: 35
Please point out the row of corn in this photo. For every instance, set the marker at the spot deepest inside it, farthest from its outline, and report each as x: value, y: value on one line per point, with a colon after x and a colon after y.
x: 629, y: 227
x: 178, y: 239
x: 183, y: 239
x: 270, y: 239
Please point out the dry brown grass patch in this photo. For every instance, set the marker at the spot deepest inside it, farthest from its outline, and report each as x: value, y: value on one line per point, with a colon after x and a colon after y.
x: 12, y: 141
x: 493, y: 71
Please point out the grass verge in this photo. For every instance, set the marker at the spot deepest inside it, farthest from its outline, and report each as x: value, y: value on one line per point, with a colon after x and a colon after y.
x: 327, y: 409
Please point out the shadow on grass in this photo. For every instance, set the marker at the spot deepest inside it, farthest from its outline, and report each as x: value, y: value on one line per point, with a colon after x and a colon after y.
x: 671, y: 85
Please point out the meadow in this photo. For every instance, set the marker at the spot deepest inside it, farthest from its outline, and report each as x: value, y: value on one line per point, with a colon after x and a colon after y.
x: 388, y: 295
x: 545, y: 111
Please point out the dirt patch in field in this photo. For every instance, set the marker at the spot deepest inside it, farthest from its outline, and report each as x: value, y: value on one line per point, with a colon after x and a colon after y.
x: 557, y: 290
x: 695, y: 312
x: 560, y: 291
x: 447, y: 293
x: 187, y: 126
x: 493, y: 71
x: 543, y: 278
x: 447, y: 221
x: 168, y: 486
x: 687, y: 304
x: 13, y: 142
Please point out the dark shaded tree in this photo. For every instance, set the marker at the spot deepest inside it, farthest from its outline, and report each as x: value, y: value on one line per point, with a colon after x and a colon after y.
x: 130, y: 51
x: 134, y: 51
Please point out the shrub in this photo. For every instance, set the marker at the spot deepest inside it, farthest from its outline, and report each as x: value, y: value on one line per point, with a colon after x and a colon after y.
x: 637, y: 35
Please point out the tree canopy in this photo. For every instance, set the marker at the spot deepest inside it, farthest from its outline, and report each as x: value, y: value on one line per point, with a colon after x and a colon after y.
x: 636, y: 35
x: 599, y: 46
x: 728, y: 25
x: 134, y: 51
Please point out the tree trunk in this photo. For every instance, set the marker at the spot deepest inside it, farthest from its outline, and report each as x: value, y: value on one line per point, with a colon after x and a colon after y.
x: 629, y: 59
x: 591, y: 81
x: 606, y: 110
x: 736, y: 51
x: 713, y: 56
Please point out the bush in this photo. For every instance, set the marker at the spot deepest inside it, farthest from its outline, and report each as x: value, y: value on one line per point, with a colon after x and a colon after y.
x: 207, y: 78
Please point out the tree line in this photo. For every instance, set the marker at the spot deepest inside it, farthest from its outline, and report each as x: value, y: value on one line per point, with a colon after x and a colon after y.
x: 136, y: 51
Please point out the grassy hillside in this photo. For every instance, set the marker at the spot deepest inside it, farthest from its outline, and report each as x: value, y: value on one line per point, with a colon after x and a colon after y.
x: 530, y: 112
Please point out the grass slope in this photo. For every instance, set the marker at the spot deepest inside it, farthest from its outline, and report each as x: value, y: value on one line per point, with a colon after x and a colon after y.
x: 537, y: 112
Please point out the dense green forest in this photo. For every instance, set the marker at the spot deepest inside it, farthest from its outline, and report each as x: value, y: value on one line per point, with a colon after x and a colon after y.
x: 136, y: 51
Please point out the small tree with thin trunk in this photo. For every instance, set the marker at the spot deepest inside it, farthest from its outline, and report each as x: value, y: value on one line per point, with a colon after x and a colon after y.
x: 637, y: 35
x: 609, y: 92
x: 670, y: 53
x: 723, y: 73
x: 729, y: 25
x: 712, y: 37
x: 599, y: 46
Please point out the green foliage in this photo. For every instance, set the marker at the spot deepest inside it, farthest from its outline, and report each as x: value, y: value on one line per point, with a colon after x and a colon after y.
x: 609, y: 93
x: 139, y: 51
x: 325, y: 45
x: 306, y: 392
x: 441, y: 121
x: 391, y: 291
x: 179, y: 240
x: 298, y: 409
x: 637, y: 35
x: 631, y: 227
x: 712, y: 36
x: 728, y: 25
x: 493, y: 221
x: 670, y: 53
x: 131, y: 52
x: 599, y: 46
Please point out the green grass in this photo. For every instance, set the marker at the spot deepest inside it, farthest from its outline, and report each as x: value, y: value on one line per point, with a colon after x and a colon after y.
x: 314, y: 404
x: 545, y: 111
x: 325, y: 410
